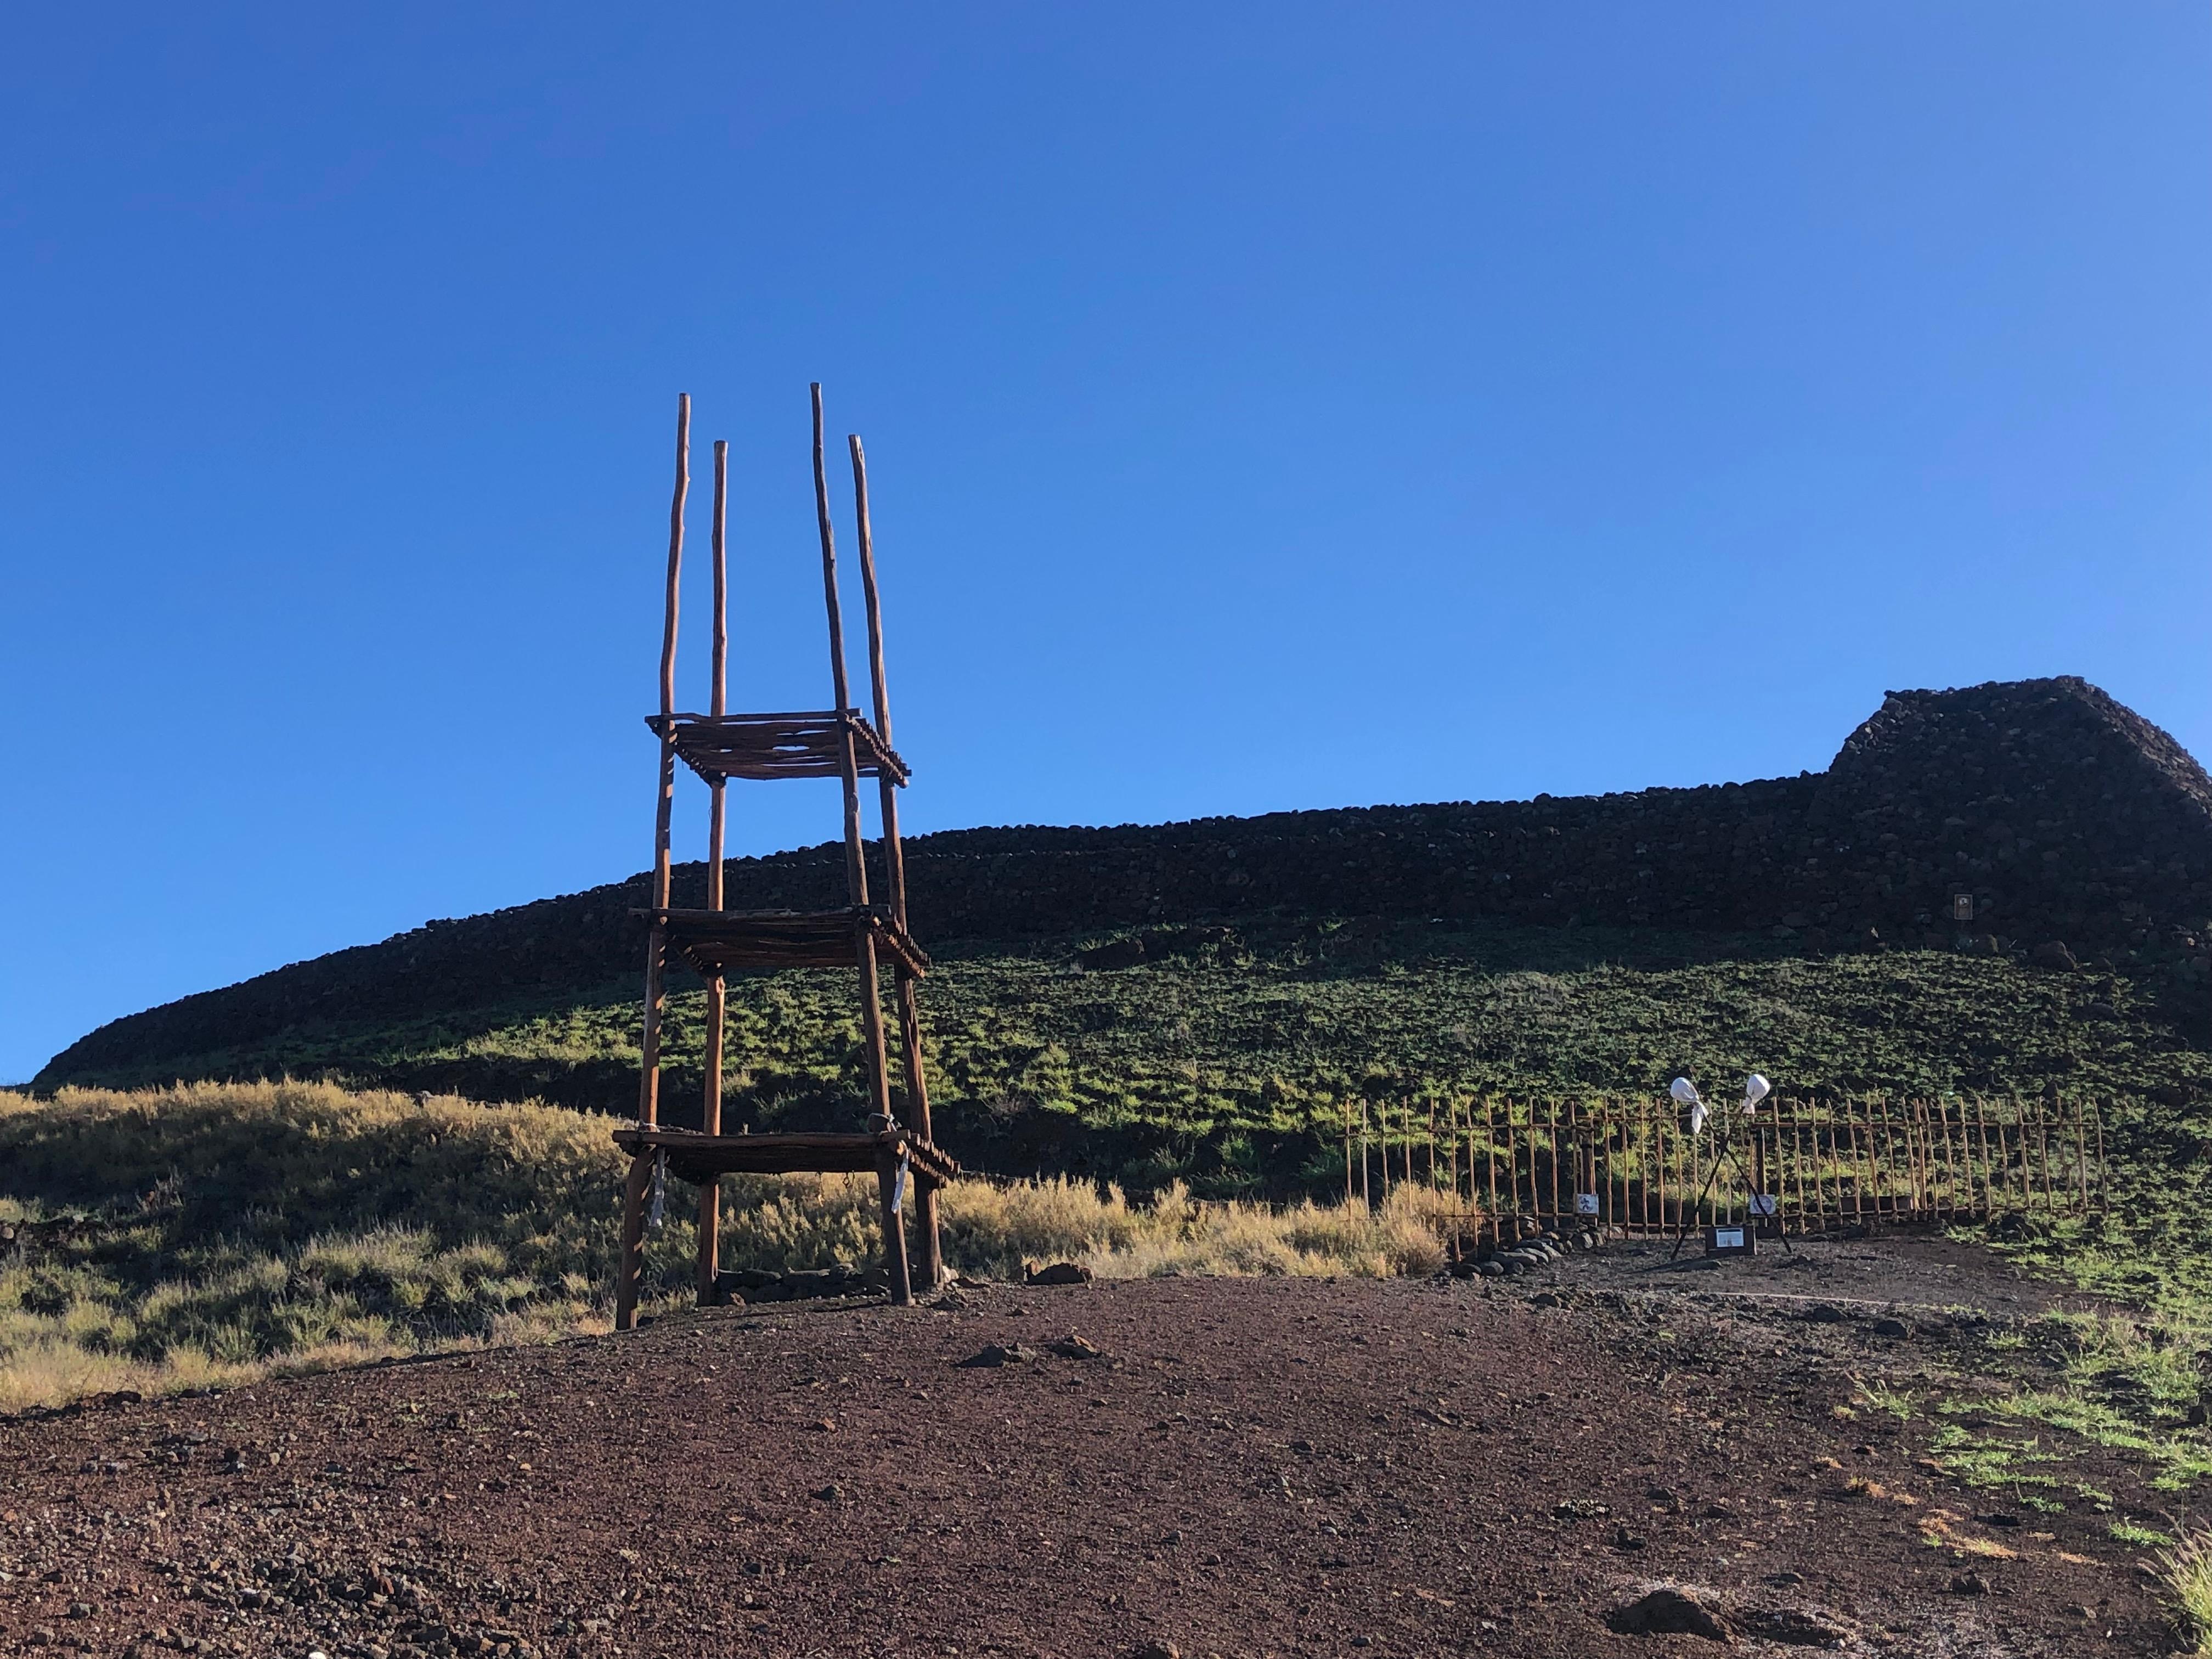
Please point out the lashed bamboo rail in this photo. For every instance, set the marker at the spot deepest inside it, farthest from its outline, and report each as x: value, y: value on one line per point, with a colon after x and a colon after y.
x: 1859, y: 1164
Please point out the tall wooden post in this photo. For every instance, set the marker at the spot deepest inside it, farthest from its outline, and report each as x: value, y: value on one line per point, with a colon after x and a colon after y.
x: 856, y: 866
x: 909, y: 1005
x: 656, y: 959
x: 710, y: 1115
x: 628, y: 1270
x: 629, y: 1265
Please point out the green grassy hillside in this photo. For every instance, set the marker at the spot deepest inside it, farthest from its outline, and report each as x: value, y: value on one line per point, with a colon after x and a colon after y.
x: 1227, y: 1062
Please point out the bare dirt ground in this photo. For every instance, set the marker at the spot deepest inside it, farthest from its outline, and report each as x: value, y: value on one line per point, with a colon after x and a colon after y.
x: 1254, y: 1467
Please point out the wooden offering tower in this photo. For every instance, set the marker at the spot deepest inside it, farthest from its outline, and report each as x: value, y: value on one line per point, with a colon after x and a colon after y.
x: 837, y: 742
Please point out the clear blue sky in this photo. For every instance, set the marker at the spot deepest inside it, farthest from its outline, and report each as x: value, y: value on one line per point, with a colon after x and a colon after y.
x: 1270, y: 406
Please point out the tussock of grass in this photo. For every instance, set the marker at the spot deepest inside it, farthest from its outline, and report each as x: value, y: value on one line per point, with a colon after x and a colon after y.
x: 207, y: 1234
x: 2186, y: 1570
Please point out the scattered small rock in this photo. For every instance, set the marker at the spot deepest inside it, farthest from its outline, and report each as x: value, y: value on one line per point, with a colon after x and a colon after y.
x: 1075, y: 1347
x: 1625, y: 1540
x: 1969, y: 1583
x: 992, y: 1355
x: 1156, y: 1650
x: 1823, y: 1313
x: 1668, y: 1611
x: 1060, y: 1272
x: 1805, y: 1627
x: 1892, y: 1328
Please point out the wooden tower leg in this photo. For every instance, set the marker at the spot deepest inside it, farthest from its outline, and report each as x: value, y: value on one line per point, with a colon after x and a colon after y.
x: 917, y: 1095
x: 710, y: 1190
x: 909, y: 1010
x: 631, y: 1262
x: 856, y: 868
x: 656, y: 950
x: 871, y: 1025
x: 894, y: 1262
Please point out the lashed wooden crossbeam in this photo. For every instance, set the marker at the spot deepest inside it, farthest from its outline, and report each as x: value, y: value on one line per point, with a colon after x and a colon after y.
x: 809, y: 743
x: 696, y: 1158
x: 716, y: 942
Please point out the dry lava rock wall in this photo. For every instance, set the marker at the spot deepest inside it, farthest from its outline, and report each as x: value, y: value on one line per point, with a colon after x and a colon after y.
x: 2005, y: 817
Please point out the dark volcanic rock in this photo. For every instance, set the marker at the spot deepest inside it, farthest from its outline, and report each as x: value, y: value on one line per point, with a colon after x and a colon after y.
x: 2007, y: 816
x: 1668, y: 1611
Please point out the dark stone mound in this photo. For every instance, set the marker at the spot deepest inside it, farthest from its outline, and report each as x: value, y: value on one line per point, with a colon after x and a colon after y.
x: 2031, y: 816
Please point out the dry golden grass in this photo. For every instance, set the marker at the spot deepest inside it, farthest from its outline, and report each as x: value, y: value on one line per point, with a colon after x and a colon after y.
x: 206, y: 1234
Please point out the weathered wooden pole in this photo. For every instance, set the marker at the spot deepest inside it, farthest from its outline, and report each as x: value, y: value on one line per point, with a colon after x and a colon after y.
x: 909, y: 1004
x: 656, y: 950
x: 629, y: 1267
x: 710, y: 1188
x: 856, y: 866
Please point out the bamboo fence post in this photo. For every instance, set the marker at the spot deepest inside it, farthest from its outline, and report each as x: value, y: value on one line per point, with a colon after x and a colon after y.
x: 1877, y: 1165
x: 1823, y: 1168
x: 903, y: 985
x: 1989, y: 1206
x: 1924, y: 1126
x: 1366, y: 1189
x: 1640, y: 1197
x: 1890, y: 1166
x: 1858, y: 1191
x: 1914, y: 1167
x: 1662, y: 1151
x: 2027, y: 1168
x: 1842, y: 1161
x: 1514, y: 1127
x: 1616, y: 1166
x: 1490, y: 1165
x: 710, y: 1118
x: 1950, y: 1162
x: 1451, y: 1133
x: 1432, y: 1142
x: 1915, y: 1197
x: 1797, y: 1165
x: 1810, y: 1164
x: 2012, y: 1138
x: 656, y: 951
x: 1347, y: 1105
x: 1875, y: 1160
x: 1551, y: 1145
x: 2081, y: 1159
x: 2043, y: 1155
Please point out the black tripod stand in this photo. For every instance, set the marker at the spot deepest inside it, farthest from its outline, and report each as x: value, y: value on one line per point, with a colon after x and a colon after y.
x: 1724, y: 1152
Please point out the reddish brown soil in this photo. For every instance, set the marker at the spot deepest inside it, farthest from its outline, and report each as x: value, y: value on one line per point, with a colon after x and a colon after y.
x: 1257, y: 1467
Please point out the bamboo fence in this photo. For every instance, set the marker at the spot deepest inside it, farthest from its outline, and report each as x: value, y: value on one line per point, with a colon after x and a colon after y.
x: 1633, y: 1166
